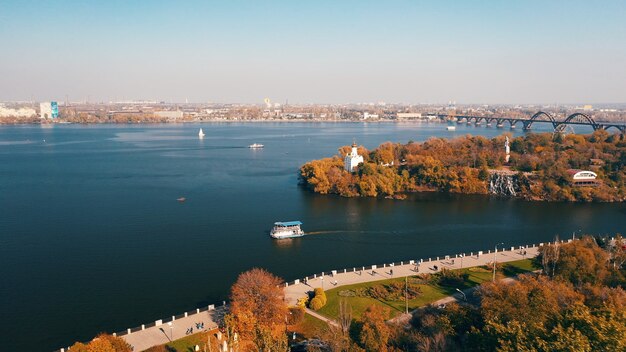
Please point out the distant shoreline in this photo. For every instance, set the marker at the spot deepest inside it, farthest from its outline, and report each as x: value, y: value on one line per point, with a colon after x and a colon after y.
x: 219, y: 120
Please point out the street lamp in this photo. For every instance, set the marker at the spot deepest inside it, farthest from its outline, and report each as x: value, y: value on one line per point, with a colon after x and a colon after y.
x: 495, y: 252
x: 406, y: 295
x: 171, y: 331
x: 463, y: 293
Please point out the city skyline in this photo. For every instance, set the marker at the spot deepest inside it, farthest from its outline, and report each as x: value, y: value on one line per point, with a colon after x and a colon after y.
x: 241, y: 52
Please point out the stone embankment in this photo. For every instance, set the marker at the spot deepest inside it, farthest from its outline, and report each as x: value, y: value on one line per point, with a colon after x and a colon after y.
x: 171, y: 328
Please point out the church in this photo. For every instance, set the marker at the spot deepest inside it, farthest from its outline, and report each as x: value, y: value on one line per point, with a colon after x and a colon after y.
x: 353, y: 159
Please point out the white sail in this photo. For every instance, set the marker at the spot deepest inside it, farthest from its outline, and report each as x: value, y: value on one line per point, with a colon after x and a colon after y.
x: 201, y: 133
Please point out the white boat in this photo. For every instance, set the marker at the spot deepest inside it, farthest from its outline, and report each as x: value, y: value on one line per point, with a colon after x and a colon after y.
x: 256, y: 146
x: 201, y: 133
x: 451, y: 128
x: 288, y: 229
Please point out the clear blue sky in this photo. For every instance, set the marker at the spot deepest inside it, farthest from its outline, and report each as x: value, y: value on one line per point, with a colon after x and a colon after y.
x: 315, y: 51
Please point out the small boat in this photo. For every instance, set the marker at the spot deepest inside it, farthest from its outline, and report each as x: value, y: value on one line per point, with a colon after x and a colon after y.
x: 256, y: 146
x: 451, y: 128
x: 201, y: 133
x: 181, y: 199
x: 288, y: 229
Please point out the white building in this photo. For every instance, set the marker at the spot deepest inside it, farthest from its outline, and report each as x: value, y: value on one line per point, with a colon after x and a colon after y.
x: 583, y: 177
x: 367, y: 115
x: 352, y: 160
x: 17, y: 112
x: 170, y: 114
x: 409, y: 115
x: 49, y: 110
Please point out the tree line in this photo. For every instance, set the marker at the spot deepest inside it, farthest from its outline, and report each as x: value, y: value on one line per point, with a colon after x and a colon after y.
x: 465, y: 164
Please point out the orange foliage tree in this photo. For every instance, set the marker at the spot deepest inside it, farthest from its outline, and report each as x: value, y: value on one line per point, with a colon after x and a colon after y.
x: 103, y: 343
x: 258, y: 306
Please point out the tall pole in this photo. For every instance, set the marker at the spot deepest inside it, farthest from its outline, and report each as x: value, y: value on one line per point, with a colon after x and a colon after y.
x: 406, y: 294
x: 495, y: 252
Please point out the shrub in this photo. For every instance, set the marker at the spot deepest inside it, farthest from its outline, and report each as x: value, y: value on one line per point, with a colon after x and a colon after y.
x: 452, y: 277
x: 296, y: 315
x: 316, y: 303
x: 319, y: 293
x: 302, y: 302
x: 346, y: 293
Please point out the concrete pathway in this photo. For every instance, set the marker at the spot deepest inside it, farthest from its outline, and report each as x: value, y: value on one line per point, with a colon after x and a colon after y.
x: 295, y: 291
x: 321, y: 317
x: 164, y: 333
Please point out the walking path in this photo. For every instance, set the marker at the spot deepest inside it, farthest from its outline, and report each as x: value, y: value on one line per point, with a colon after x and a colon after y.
x: 300, y: 289
x: 166, y: 330
x: 321, y: 317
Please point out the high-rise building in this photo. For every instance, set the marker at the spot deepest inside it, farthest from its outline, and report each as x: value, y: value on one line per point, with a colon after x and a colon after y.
x: 49, y: 110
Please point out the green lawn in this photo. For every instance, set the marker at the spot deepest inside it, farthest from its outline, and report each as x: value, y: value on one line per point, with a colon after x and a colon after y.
x: 430, y: 293
x: 187, y: 343
x: 308, y: 328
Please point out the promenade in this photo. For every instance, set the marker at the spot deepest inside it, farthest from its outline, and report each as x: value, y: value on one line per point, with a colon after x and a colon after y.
x: 162, y: 332
x: 175, y: 327
x: 338, y: 278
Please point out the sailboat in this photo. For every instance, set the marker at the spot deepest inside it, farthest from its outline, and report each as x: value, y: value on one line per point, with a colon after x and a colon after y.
x: 201, y: 134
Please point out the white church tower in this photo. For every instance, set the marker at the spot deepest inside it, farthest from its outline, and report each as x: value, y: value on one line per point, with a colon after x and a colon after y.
x: 507, y: 150
x: 353, y: 159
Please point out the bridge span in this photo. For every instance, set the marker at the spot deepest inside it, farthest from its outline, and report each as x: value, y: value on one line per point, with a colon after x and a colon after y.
x: 540, y: 117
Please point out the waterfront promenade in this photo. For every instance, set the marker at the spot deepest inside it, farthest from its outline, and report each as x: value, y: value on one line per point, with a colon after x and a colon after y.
x: 162, y: 332
x: 338, y: 278
x: 171, y: 328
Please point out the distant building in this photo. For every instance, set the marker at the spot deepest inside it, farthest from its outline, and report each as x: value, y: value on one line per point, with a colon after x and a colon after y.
x: 367, y: 115
x: 409, y: 115
x: 353, y: 159
x: 169, y: 114
x: 49, y: 110
x: 582, y: 177
x: 16, y: 112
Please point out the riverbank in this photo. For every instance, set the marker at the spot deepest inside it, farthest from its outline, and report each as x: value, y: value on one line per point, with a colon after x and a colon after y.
x: 357, y: 275
x: 164, y: 330
x: 547, y: 167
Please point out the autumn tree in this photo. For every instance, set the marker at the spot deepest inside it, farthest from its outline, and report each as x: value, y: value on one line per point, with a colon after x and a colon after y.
x: 375, y: 332
x: 103, y: 343
x: 258, y: 307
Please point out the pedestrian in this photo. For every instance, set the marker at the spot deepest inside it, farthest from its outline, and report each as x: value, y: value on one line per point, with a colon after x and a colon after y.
x: 391, y: 272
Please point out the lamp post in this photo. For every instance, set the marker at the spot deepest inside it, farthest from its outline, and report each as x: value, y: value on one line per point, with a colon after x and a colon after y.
x: 463, y: 293
x: 171, y: 331
x: 406, y: 295
x: 495, y: 252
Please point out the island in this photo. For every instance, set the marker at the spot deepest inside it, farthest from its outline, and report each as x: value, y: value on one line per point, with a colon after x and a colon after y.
x: 537, y: 166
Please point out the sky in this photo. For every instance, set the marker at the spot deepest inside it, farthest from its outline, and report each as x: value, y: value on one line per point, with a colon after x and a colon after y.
x: 481, y: 52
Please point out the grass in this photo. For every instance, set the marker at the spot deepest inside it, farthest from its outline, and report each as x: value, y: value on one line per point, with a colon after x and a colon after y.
x: 187, y: 343
x: 430, y: 292
x: 307, y: 328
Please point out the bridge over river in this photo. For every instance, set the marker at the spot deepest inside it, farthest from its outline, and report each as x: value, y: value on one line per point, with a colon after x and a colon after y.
x: 539, y: 117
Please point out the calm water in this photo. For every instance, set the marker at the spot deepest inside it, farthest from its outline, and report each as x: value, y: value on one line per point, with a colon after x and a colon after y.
x: 92, y: 238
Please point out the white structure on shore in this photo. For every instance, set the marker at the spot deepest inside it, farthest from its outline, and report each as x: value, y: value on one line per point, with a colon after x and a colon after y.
x: 48, y: 110
x: 353, y: 159
x: 16, y: 112
x: 507, y: 149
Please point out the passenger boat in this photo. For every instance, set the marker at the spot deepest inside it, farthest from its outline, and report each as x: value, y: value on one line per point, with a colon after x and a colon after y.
x: 256, y: 146
x: 451, y: 128
x: 288, y: 229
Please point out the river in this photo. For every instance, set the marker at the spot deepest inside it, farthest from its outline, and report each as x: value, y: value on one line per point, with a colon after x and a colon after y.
x: 92, y: 237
